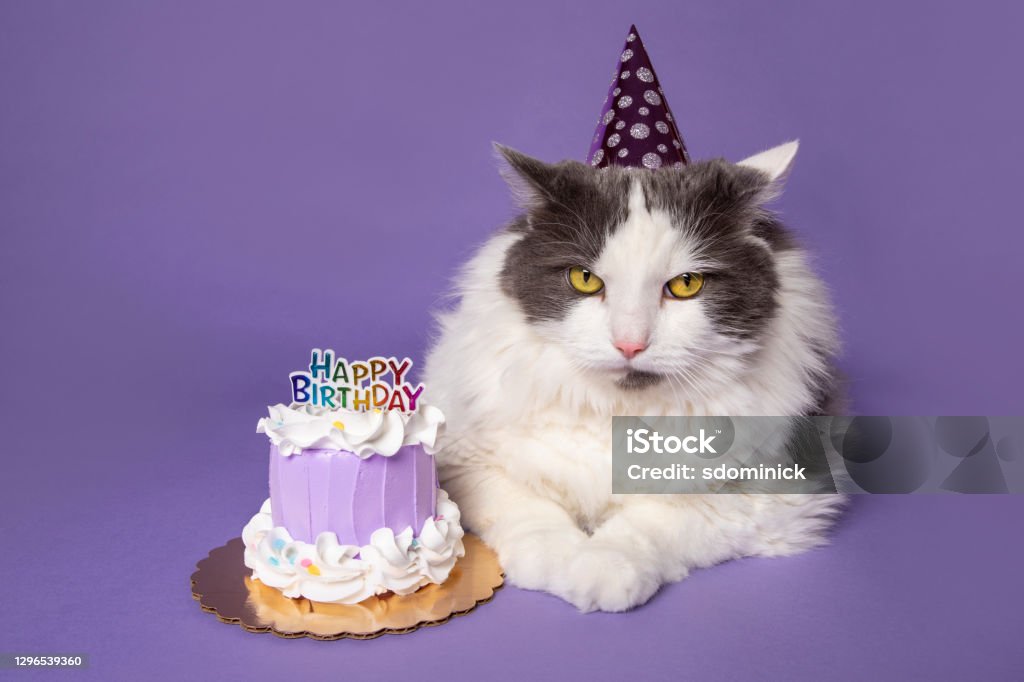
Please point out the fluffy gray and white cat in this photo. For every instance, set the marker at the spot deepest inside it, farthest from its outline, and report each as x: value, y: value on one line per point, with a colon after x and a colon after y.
x: 625, y: 291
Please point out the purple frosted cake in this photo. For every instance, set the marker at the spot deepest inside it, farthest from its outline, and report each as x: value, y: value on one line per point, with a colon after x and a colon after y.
x: 354, y: 508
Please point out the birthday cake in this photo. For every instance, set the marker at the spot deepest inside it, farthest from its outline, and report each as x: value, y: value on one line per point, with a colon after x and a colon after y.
x: 354, y: 509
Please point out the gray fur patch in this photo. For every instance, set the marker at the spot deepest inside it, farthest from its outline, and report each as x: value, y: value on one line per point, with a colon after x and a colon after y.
x: 571, y: 210
x: 636, y: 380
x: 718, y: 205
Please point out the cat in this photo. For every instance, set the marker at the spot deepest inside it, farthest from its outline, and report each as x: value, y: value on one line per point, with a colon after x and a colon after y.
x: 572, y: 314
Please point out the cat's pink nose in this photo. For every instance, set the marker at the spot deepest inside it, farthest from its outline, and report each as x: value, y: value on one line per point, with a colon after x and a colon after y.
x: 630, y: 348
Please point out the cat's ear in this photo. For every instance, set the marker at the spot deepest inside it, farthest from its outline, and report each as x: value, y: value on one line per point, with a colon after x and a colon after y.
x: 531, y: 181
x: 775, y: 162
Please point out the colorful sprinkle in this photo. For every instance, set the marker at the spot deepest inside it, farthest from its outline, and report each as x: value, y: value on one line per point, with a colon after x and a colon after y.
x: 313, y: 570
x: 305, y: 562
x: 277, y: 544
x: 339, y: 426
x: 273, y: 561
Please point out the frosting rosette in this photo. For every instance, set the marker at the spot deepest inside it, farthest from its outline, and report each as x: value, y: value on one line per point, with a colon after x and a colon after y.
x: 327, y: 571
x: 294, y: 428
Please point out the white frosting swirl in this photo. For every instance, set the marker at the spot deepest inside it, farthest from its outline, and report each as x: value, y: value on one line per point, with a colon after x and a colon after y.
x: 327, y: 571
x: 296, y: 428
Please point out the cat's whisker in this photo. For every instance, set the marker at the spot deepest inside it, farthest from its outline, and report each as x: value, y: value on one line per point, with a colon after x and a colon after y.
x: 683, y: 373
x: 696, y: 382
x: 674, y: 381
x: 694, y: 372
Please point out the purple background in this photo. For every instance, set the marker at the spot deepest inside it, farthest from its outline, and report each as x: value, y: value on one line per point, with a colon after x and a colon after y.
x: 193, y: 195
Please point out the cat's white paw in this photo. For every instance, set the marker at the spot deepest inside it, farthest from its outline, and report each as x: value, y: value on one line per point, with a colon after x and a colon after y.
x: 536, y: 562
x: 605, y: 578
x: 790, y: 524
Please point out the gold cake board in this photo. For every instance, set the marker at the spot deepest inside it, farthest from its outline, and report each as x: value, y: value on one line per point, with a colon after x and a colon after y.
x: 223, y: 586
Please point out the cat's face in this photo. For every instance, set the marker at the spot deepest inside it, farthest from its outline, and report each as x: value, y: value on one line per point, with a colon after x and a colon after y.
x: 648, y: 276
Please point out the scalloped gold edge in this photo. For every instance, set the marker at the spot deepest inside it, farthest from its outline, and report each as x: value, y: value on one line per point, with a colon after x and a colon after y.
x: 329, y: 638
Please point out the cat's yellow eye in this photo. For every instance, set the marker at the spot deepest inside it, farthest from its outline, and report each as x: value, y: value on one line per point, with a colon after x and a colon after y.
x: 584, y: 281
x: 686, y: 285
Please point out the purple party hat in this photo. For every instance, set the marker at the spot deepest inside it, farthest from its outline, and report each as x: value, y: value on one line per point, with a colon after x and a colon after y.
x: 636, y: 127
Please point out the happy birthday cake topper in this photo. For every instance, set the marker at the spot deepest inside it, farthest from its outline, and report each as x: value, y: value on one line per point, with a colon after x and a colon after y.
x: 362, y: 385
